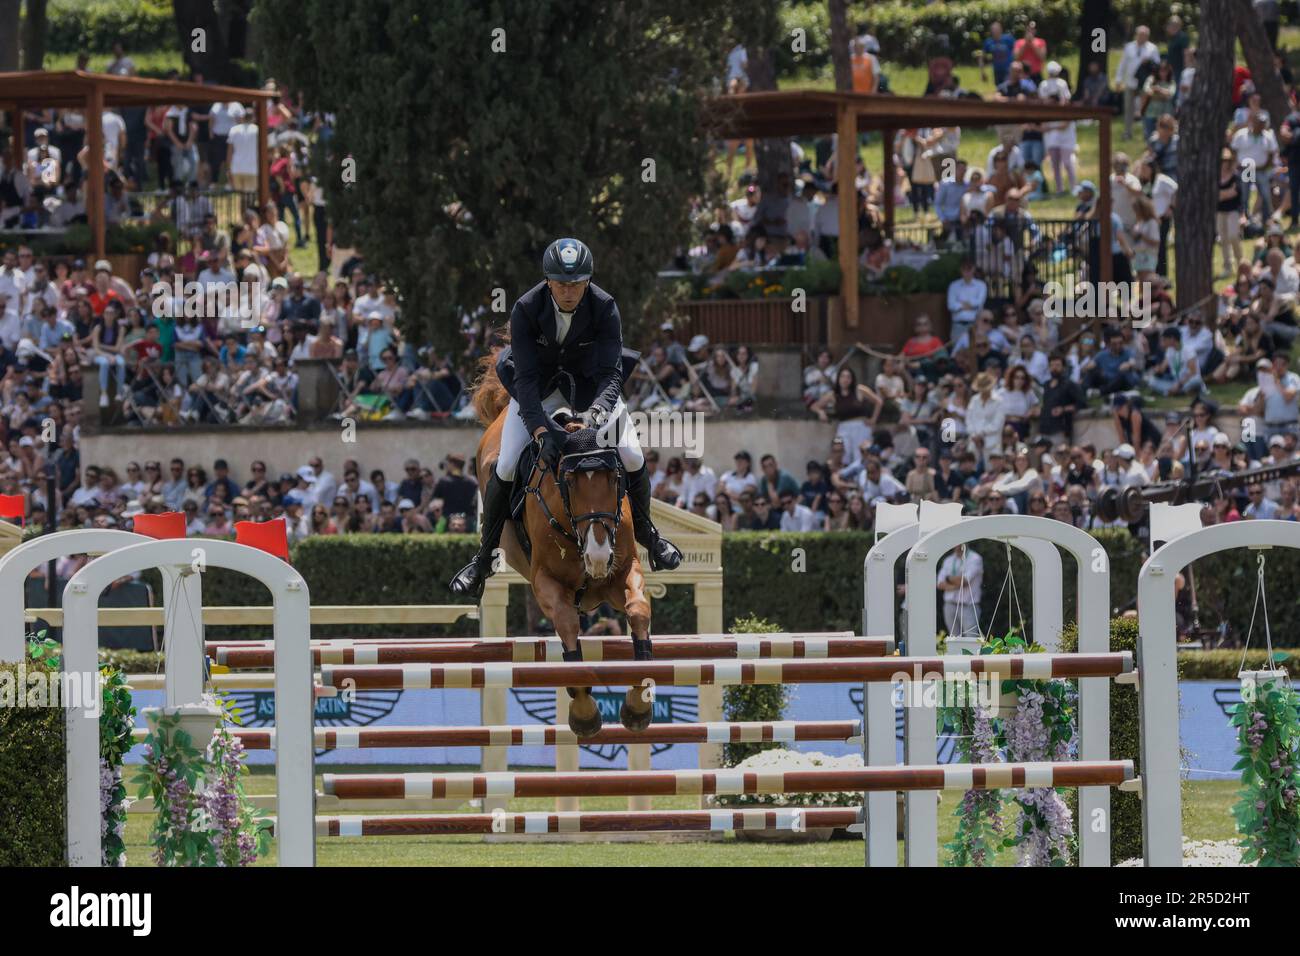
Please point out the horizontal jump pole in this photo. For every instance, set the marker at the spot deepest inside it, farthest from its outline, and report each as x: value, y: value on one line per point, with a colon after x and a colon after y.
x: 321, y: 614
x: 543, y: 735
x: 668, y: 783
x: 724, y: 672
x: 796, y: 819
x: 542, y: 650
x: 212, y: 647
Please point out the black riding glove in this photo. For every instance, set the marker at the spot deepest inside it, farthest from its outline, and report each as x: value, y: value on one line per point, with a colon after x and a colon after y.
x: 552, y: 448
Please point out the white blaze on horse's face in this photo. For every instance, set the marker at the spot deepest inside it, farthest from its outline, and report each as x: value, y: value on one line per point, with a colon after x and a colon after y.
x: 594, y: 491
x: 597, y: 554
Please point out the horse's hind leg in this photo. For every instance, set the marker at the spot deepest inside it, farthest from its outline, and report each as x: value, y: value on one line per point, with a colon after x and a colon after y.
x: 638, y: 704
x: 557, y: 604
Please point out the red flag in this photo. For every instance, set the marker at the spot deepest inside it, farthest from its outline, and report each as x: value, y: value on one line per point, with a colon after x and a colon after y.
x: 269, y: 536
x: 170, y: 524
x: 14, y: 506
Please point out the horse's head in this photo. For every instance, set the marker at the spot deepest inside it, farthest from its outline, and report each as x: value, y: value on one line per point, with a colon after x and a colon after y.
x: 593, y: 488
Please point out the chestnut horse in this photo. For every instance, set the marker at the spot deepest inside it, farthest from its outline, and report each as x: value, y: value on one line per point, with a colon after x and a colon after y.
x: 579, y: 560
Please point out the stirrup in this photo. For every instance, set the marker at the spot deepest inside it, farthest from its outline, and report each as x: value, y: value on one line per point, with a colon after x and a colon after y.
x: 669, y: 560
x: 470, y: 580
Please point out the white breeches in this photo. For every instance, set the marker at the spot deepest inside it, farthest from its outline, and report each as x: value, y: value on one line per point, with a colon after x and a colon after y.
x: 616, y: 432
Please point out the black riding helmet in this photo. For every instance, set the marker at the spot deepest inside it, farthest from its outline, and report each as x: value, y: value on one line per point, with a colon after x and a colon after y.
x: 567, y: 260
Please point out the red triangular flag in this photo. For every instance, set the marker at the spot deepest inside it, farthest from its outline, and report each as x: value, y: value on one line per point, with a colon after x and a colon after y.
x: 14, y: 506
x: 269, y: 536
x: 170, y: 524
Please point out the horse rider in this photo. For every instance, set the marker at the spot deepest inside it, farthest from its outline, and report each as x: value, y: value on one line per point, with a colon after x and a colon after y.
x: 564, y: 331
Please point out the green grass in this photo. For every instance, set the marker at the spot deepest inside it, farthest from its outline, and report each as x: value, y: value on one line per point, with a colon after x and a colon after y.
x: 1206, y: 806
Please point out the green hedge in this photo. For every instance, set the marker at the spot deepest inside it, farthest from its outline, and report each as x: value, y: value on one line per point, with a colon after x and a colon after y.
x: 1125, y: 744
x: 33, y: 781
x: 93, y: 26
x: 908, y: 31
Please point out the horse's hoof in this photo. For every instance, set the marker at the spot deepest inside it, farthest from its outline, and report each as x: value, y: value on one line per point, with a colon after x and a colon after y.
x: 584, y: 727
x: 633, y: 720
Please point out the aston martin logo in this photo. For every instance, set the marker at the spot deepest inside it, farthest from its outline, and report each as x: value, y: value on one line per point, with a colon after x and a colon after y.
x: 669, y: 706
x: 257, y: 708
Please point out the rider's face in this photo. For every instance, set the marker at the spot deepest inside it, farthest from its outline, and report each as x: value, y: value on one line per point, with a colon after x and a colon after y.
x: 567, y: 295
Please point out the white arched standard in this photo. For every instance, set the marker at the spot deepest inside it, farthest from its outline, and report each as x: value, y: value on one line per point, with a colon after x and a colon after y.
x: 294, y: 761
x: 904, y: 528
x: 921, y: 845
x: 182, y: 640
x: 1162, y: 830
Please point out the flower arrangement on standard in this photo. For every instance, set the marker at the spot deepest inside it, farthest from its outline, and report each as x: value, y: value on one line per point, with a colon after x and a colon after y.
x: 1041, y: 728
x: 1268, y: 733
x: 787, y: 761
x: 203, y: 816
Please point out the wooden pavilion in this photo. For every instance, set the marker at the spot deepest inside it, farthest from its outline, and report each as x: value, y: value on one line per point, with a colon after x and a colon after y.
x: 93, y: 93
x: 820, y: 112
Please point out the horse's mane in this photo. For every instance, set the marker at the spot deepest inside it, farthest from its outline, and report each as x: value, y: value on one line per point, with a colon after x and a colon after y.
x: 490, y: 396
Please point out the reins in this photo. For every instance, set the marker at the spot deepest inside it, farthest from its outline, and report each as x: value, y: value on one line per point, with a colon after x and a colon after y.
x: 608, y: 520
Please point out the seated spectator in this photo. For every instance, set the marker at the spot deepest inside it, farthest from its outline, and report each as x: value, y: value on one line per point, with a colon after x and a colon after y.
x: 1116, y: 368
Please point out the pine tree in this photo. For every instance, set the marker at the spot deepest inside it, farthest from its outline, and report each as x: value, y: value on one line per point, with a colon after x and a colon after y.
x: 480, y: 131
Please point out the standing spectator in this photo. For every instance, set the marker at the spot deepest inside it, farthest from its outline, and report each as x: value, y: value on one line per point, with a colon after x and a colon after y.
x: 457, y: 490
x: 966, y: 296
x: 961, y: 580
x: 241, y: 151
x: 1228, y: 212
x: 985, y: 416
x: 1031, y: 50
x: 1158, y: 91
x: 1128, y: 79
x: 999, y: 51
x: 1176, y: 44
x: 1256, y: 150
x: 1062, y: 399
x: 1059, y: 138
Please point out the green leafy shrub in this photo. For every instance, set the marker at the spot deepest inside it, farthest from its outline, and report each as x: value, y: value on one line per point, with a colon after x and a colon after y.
x: 93, y: 26
x: 748, y: 702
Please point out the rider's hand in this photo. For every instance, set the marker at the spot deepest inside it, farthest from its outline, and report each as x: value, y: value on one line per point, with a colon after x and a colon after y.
x: 593, y: 417
x: 551, y: 448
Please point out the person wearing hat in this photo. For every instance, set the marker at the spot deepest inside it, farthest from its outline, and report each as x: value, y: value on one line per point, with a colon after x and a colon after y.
x: 566, y: 348
x: 985, y: 415
x: 44, y: 167
x: 241, y: 150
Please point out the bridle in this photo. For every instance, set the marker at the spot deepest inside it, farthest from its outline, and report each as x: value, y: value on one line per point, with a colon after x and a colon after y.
x: 603, y: 459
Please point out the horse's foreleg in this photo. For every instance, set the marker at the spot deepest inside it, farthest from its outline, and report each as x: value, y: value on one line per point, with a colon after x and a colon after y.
x: 557, y: 604
x: 638, y: 704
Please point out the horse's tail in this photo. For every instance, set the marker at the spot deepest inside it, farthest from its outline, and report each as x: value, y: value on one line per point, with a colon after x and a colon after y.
x: 490, y: 396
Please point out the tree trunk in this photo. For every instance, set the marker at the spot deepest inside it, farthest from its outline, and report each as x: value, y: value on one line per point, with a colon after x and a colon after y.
x: 34, y: 30
x: 840, y: 46
x: 1259, y: 57
x: 9, y: 35
x: 772, y: 155
x: 212, y: 60
x: 1096, y: 15
x: 1200, y: 136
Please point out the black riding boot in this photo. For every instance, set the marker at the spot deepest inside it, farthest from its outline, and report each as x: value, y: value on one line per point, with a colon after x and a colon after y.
x: 469, y: 581
x: 664, y: 555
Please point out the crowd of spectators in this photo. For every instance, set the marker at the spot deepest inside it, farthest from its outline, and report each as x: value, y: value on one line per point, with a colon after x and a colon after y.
x: 985, y: 416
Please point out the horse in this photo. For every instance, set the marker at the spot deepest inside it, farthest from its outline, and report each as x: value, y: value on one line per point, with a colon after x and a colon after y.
x: 576, y: 559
